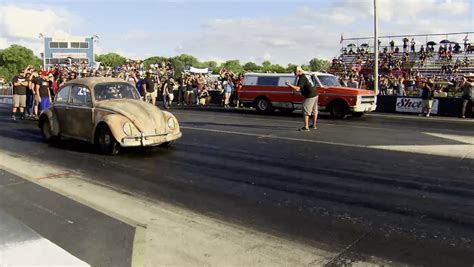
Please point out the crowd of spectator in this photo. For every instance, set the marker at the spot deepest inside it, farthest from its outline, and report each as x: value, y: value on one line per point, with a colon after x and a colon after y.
x: 33, y: 91
x: 392, y: 58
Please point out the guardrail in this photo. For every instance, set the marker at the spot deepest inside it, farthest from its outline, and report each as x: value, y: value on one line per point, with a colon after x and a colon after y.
x: 6, y: 91
x: 6, y: 99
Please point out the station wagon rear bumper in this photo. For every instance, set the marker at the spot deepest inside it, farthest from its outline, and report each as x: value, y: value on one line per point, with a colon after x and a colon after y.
x: 149, y: 140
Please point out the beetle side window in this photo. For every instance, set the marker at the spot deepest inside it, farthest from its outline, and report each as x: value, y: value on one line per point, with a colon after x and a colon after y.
x: 62, y: 96
x: 81, y: 96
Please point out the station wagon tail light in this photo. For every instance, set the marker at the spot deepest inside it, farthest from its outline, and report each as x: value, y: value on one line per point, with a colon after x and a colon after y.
x: 129, y: 129
x: 171, y: 123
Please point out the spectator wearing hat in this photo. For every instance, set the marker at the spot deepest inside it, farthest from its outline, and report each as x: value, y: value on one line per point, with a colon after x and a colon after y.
x: 20, y: 87
x: 43, y: 89
x: 427, y: 98
x: 310, y: 103
x: 168, y: 94
x: 466, y: 88
x: 149, y: 91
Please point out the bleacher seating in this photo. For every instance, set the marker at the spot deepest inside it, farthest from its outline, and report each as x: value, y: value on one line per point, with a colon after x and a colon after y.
x: 433, y: 65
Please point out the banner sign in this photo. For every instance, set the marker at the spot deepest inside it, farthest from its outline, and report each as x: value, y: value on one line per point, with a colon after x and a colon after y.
x: 414, y: 105
x: 71, y: 55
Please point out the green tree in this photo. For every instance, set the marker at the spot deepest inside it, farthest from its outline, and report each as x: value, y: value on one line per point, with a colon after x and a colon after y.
x: 210, y: 64
x: 266, y: 65
x: 277, y: 68
x: 187, y: 60
x: 154, y: 60
x: 291, y: 67
x: 15, y: 59
x: 111, y: 59
x: 233, y: 65
x: 251, y: 66
x: 316, y: 64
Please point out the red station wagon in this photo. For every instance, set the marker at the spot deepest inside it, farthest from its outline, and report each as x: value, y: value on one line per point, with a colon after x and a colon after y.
x: 267, y: 92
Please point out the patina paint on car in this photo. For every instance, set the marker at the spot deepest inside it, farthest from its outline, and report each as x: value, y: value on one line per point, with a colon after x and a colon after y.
x: 147, y: 118
x: 116, y: 111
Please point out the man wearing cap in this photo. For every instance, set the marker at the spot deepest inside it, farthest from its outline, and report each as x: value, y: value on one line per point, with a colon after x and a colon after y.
x: 466, y: 88
x: 149, y: 88
x: 426, y: 98
x: 20, y: 87
x: 42, y: 88
x: 310, y: 103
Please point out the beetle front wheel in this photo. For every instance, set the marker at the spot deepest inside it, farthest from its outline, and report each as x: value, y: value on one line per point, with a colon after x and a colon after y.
x: 106, y: 142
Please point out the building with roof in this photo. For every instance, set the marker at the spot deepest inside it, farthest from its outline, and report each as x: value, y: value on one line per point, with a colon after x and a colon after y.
x: 64, y: 50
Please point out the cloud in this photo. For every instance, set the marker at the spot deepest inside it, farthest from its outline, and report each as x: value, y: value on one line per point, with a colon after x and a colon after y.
x: 312, y: 30
x: 23, y: 24
x: 315, y: 32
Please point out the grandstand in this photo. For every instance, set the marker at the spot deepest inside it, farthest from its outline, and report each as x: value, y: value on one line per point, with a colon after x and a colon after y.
x: 357, y: 56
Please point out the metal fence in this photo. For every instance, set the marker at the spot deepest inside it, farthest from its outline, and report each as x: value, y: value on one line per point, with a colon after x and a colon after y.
x: 6, y: 90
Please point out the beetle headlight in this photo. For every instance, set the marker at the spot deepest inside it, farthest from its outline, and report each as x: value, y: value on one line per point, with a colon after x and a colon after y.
x: 171, y: 123
x: 129, y: 129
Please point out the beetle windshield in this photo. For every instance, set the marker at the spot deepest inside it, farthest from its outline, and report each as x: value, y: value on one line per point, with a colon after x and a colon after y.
x: 106, y: 91
x: 327, y: 80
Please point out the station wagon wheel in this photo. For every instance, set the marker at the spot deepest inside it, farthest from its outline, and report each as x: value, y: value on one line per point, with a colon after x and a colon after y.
x: 263, y: 105
x: 339, y: 110
x: 105, y: 141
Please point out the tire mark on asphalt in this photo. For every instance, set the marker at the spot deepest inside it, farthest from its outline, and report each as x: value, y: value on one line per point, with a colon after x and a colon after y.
x: 344, y: 251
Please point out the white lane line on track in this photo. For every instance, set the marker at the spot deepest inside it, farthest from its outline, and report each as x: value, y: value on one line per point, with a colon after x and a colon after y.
x: 347, y: 125
x: 174, y: 236
x: 454, y: 151
x: 408, y: 117
x: 274, y: 137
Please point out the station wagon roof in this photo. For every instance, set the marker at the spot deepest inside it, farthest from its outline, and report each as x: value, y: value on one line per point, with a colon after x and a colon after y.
x: 92, y: 81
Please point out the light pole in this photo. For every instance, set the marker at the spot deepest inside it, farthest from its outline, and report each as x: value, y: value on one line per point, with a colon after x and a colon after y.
x: 95, y: 39
x: 376, y: 51
x: 41, y: 37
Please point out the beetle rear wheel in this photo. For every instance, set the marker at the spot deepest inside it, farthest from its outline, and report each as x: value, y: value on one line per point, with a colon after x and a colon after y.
x: 47, y: 133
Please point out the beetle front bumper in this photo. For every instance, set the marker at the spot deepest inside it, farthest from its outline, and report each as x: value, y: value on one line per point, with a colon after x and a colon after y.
x: 149, y: 140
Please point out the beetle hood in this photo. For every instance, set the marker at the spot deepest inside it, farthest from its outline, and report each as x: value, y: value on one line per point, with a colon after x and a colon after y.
x: 146, y: 117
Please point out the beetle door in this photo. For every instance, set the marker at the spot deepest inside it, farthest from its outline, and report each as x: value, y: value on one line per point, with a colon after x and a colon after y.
x: 79, y: 112
x: 60, y: 105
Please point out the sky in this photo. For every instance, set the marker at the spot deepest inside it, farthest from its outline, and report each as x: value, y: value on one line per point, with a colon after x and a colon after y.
x: 279, y: 31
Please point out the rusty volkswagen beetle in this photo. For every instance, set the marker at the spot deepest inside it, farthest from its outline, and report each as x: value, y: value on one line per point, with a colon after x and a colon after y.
x: 109, y: 113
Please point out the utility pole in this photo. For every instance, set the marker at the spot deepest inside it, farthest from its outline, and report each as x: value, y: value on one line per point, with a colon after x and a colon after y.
x: 376, y: 51
x: 43, y: 44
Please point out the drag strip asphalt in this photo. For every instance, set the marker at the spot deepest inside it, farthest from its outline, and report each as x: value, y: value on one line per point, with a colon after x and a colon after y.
x: 332, y: 188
